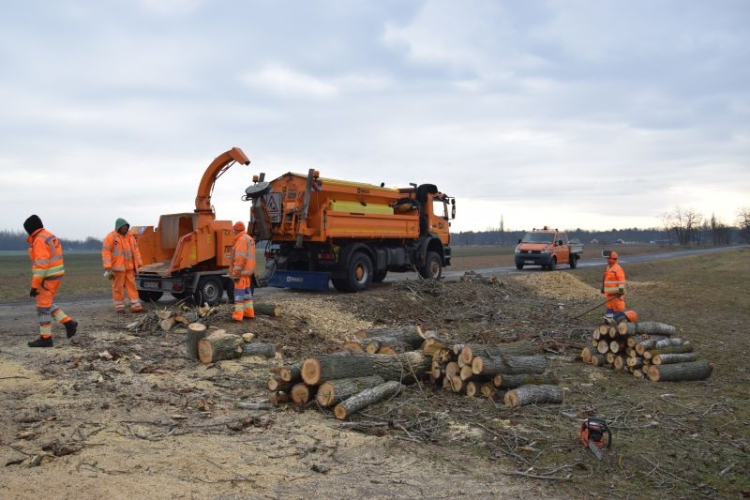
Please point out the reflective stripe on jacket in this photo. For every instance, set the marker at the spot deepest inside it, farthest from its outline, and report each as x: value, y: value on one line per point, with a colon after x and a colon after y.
x: 614, y: 279
x: 121, y: 252
x: 46, y: 256
x: 243, y: 256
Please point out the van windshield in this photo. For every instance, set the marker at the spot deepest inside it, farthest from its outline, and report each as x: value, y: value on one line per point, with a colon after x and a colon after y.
x: 538, y: 238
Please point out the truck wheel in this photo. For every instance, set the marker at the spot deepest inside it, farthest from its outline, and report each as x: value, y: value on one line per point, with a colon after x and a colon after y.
x: 210, y: 290
x: 573, y: 261
x: 147, y: 296
x: 359, y: 273
x: 379, y: 276
x: 552, y: 264
x: 519, y: 265
x: 433, y: 267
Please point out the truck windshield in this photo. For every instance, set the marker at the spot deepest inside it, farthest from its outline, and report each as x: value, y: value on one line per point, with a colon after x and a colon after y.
x: 538, y: 238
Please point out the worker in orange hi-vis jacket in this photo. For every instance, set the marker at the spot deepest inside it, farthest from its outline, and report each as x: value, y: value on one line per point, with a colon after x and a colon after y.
x: 241, y: 271
x: 48, y: 269
x: 613, y: 287
x: 121, y: 259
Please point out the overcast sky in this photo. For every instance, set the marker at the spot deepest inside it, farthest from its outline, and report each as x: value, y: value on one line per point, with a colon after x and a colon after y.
x: 592, y: 114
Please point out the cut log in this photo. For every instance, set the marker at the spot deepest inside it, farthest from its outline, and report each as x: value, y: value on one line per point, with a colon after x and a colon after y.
x: 586, y: 355
x: 402, y: 340
x: 670, y: 349
x: 680, y: 372
x: 534, y: 394
x: 619, y: 363
x: 635, y: 362
x: 276, y: 385
x: 603, y: 329
x: 390, y: 350
x: 644, y: 344
x: 354, y: 346
x: 267, y: 309
x: 514, y: 381
x: 668, y: 359
x: 279, y: 398
x: 196, y: 331
x: 488, y: 390
x: 219, y: 346
x: 181, y: 319
x: 407, y: 367
x: 598, y: 359
x: 602, y: 347
x: 650, y: 327
x: 366, y: 398
x: 616, y: 346
x: 335, y: 391
x: 290, y: 373
x: 167, y: 324
x: 470, y: 351
x: 259, y: 349
x: 491, y: 366
x: 472, y: 388
x: 637, y: 373
x: 466, y: 373
x: 163, y: 313
x: 301, y: 393
x: 431, y: 346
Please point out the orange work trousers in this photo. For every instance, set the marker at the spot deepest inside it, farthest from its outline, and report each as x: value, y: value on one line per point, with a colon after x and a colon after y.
x: 123, y: 282
x: 615, y: 304
x: 46, y: 309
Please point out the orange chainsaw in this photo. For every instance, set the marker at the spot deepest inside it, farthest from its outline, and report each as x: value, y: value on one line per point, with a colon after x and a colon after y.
x: 595, y: 434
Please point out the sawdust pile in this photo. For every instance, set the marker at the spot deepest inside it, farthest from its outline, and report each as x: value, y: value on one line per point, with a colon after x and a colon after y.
x: 325, y: 317
x: 562, y: 286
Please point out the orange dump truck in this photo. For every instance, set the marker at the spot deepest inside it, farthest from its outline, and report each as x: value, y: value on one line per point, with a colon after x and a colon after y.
x: 352, y: 233
x: 187, y: 254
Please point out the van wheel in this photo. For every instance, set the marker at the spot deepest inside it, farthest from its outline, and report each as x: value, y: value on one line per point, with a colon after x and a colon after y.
x: 552, y: 264
x: 573, y: 261
x: 519, y: 265
x: 210, y: 290
x: 433, y: 267
x: 359, y: 273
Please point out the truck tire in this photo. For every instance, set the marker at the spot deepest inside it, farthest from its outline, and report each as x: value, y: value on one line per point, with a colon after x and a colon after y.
x: 552, y: 264
x: 379, y: 276
x: 359, y: 273
x: 210, y: 290
x: 433, y: 266
x: 147, y: 296
x: 519, y: 265
x: 573, y: 261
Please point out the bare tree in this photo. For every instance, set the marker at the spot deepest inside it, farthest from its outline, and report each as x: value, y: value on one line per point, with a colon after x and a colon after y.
x: 684, y: 223
x: 743, y: 222
x: 721, y: 234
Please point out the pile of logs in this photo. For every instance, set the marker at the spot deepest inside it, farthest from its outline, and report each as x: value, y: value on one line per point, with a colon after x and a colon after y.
x: 347, y: 381
x: 647, y: 350
x: 512, y: 371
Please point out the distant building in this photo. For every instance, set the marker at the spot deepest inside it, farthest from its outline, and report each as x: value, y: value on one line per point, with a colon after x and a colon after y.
x: 594, y: 241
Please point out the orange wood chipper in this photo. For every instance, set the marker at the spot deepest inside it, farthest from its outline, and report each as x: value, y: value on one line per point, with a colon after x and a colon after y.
x: 188, y: 254
x: 316, y: 229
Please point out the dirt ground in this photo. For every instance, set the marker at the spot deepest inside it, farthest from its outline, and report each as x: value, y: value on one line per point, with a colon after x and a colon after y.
x: 121, y: 414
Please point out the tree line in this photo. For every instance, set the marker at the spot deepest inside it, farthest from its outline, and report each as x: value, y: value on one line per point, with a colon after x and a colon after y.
x: 16, y: 240
x: 680, y: 226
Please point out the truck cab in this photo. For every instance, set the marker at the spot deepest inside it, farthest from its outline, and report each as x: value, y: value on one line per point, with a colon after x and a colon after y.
x: 547, y: 248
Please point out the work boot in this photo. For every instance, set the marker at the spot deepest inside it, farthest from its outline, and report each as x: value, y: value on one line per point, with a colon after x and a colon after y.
x: 237, y: 316
x: 249, y: 315
x: 71, y: 327
x: 137, y: 311
x: 41, y: 342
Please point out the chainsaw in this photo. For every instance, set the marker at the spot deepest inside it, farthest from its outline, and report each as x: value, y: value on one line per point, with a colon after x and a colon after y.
x: 595, y: 434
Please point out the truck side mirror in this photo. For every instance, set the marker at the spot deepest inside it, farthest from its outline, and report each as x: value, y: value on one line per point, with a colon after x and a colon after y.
x: 519, y: 241
x: 453, y: 208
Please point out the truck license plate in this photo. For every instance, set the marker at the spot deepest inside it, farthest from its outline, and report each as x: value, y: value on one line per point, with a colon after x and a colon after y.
x: 528, y: 262
x: 150, y: 284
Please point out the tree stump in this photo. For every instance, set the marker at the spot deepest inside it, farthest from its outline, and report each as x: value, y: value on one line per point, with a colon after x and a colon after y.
x: 534, y: 394
x: 679, y: 372
x: 366, y: 398
x: 196, y: 331
x: 335, y: 391
x: 219, y: 346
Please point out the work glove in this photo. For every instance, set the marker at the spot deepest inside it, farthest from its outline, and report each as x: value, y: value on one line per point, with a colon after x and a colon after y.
x: 33, y: 292
x: 621, y: 292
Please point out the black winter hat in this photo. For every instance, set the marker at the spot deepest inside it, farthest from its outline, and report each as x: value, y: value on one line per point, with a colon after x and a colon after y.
x: 32, y: 224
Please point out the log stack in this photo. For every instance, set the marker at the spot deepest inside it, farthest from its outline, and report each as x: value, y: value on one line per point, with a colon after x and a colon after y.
x: 511, y: 371
x: 646, y: 350
x: 347, y: 381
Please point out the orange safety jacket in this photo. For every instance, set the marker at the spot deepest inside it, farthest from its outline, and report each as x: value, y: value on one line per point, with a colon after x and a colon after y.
x: 120, y: 253
x: 46, y: 256
x: 243, y: 256
x: 614, y: 279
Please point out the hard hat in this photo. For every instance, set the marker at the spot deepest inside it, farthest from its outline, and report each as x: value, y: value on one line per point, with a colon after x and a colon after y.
x: 239, y: 226
x: 632, y: 316
x: 612, y: 255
